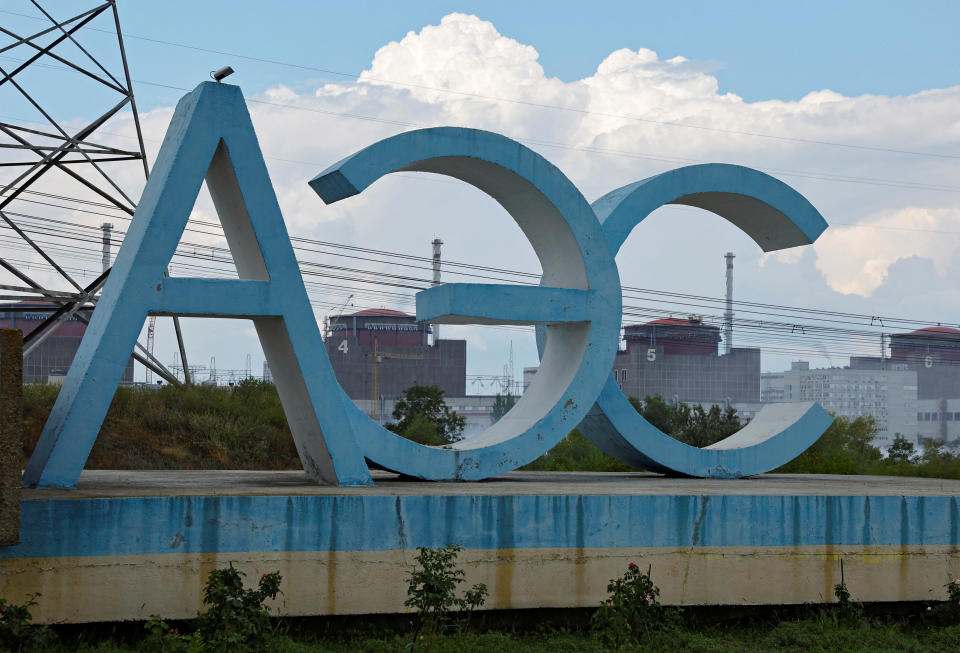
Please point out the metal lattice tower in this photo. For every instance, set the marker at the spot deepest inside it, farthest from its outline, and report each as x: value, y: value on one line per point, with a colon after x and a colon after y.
x: 57, y: 170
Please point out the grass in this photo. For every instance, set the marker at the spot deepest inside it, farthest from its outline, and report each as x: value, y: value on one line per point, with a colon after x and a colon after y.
x: 816, y: 632
x: 244, y: 427
x: 196, y: 427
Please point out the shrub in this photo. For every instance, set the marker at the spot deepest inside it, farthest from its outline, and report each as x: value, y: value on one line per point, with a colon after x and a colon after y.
x: 953, y: 593
x: 163, y: 638
x: 432, y: 590
x: 948, y: 613
x: 631, y: 611
x: 16, y: 631
x: 236, y: 619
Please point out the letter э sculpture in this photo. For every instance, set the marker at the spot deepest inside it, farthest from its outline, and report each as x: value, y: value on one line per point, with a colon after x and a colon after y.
x: 576, y: 308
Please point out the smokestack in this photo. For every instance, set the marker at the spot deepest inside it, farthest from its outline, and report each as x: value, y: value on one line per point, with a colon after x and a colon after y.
x: 106, y: 227
x: 728, y: 314
x: 436, y: 279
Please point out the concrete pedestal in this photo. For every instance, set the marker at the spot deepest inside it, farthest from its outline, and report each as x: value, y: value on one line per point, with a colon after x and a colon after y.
x: 126, y: 545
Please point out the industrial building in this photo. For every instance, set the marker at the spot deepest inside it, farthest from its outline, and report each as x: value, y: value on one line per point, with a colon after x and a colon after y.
x: 939, y: 419
x: 889, y: 395
x: 914, y: 392
x: 49, y: 362
x: 934, y: 353
x: 679, y: 360
x: 378, y: 353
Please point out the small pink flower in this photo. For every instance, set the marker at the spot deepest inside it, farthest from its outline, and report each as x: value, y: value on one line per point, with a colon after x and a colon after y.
x: 609, y: 600
x: 633, y: 565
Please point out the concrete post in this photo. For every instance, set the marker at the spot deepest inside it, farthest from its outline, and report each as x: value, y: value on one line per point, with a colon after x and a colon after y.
x: 107, y: 228
x: 436, y: 281
x: 11, y: 433
x: 728, y: 314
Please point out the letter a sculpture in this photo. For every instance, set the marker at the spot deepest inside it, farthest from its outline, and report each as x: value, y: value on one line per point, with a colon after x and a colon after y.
x: 576, y: 308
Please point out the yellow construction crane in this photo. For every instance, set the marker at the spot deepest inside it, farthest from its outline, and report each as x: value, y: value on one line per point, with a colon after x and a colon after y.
x: 377, y: 358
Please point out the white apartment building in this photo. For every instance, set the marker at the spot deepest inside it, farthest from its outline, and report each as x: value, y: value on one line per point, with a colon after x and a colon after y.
x: 890, y: 395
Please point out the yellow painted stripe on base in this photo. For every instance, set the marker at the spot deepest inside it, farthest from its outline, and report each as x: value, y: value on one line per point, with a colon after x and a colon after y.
x: 84, y: 589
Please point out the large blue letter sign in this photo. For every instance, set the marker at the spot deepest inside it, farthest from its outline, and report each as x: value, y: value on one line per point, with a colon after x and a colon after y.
x: 579, y: 301
x: 776, y: 217
x: 210, y: 136
x: 576, y: 307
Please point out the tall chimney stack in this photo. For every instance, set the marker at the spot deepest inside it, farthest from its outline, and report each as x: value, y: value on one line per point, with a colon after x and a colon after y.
x: 106, y: 227
x: 728, y: 314
x: 436, y: 280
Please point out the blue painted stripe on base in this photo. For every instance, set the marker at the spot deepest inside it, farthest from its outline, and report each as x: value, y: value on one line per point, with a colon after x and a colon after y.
x: 159, y: 525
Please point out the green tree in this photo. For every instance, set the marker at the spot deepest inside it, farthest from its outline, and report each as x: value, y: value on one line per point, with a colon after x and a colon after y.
x: 423, y: 404
x: 575, y: 453
x: 690, y: 424
x: 423, y: 430
x: 844, y: 448
x: 501, y: 406
x: 656, y: 411
x: 938, y: 462
x: 701, y: 428
x: 902, y: 451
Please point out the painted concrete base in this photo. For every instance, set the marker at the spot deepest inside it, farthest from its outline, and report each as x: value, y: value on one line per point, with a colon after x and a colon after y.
x: 128, y: 545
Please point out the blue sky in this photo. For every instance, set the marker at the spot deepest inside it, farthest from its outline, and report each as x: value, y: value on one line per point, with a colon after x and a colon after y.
x: 758, y: 50
x: 810, y: 78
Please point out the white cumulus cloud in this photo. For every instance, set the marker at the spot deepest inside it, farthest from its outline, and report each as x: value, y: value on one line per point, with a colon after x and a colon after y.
x: 855, y: 259
x: 636, y: 115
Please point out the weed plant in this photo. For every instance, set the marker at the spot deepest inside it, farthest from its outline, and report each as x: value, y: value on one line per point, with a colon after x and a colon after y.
x: 432, y: 592
x: 17, y: 633
x: 632, y: 611
x: 236, y: 619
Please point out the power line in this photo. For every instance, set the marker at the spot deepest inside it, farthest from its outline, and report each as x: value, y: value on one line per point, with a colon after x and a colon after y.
x: 779, y: 330
x: 684, y: 300
x: 771, y: 332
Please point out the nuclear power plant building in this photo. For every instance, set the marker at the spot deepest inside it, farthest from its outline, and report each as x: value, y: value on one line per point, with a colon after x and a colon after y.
x: 50, y: 360
x: 378, y: 353
x: 679, y: 360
